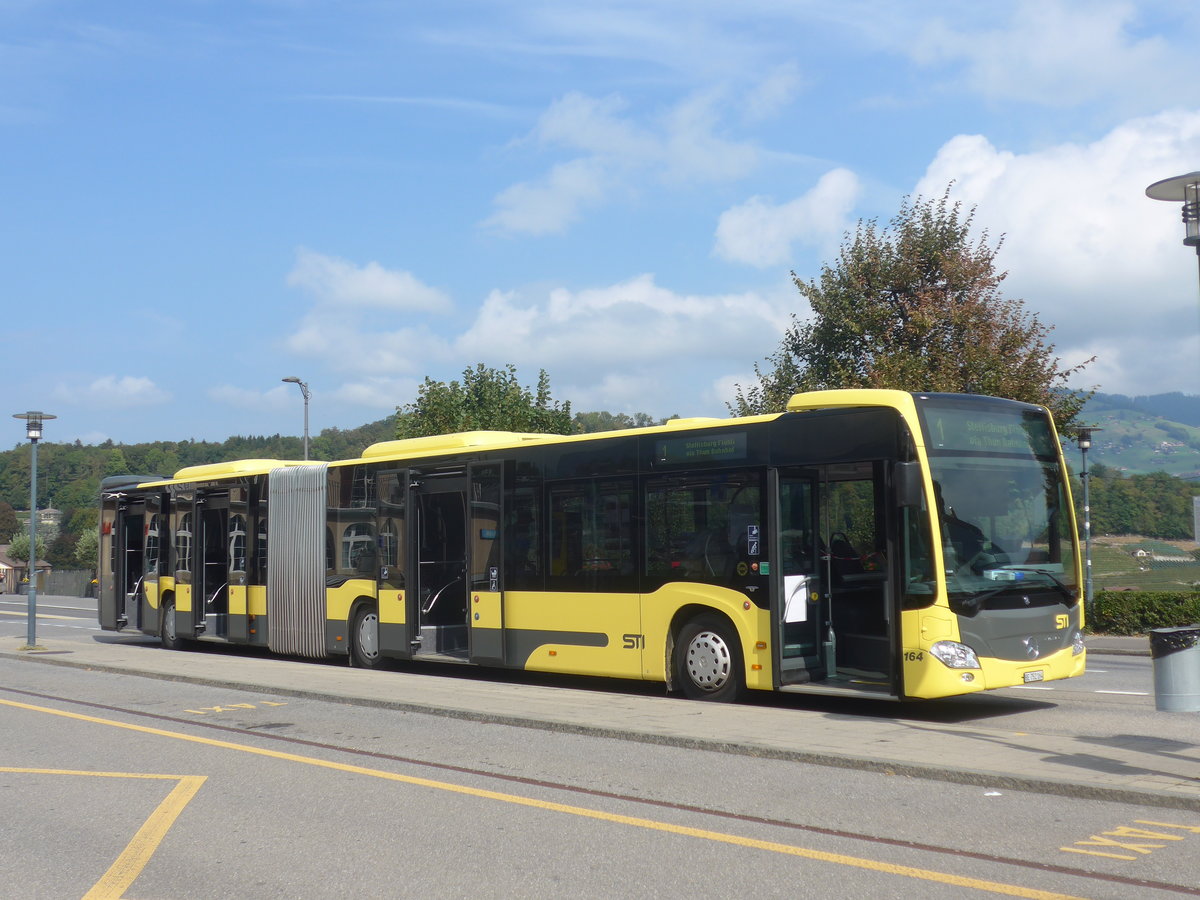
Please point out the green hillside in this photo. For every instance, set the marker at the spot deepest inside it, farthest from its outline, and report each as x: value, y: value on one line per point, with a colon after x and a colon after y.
x: 1135, y: 438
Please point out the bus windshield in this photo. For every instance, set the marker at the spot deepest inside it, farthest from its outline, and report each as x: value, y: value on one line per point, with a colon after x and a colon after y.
x: 1000, y: 504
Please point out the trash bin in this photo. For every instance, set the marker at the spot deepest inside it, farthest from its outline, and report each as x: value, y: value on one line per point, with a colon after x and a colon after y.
x: 1176, y: 655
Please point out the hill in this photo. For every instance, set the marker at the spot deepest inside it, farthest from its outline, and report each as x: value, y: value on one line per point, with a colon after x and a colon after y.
x: 1159, y: 433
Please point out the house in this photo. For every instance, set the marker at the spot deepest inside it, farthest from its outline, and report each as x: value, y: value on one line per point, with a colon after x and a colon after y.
x: 13, y: 572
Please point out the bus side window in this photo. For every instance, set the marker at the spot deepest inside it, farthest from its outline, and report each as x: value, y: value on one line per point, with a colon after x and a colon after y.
x: 698, y: 528
x: 591, y: 532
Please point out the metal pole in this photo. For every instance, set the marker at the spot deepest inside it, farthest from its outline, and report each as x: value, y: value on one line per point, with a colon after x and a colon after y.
x: 304, y: 392
x: 31, y: 627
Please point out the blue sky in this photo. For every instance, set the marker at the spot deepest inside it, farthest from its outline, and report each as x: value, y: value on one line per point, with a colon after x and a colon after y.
x: 199, y: 198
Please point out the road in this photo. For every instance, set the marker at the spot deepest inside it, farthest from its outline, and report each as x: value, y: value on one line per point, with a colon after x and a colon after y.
x: 144, y: 787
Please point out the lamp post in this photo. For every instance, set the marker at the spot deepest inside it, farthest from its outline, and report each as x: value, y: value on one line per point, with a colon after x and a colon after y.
x: 1185, y: 188
x: 33, y: 429
x: 1084, y: 437
x: 292, y: 379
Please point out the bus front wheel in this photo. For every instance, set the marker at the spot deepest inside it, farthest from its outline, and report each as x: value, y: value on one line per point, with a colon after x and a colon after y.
x: 708, y: 661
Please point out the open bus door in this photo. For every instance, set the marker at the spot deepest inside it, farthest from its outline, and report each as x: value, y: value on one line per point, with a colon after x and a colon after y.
x: 106, y: 588
x: 436, y: 598
x: 802, y: 611
x: 210, y: 591
x: 834, y: 611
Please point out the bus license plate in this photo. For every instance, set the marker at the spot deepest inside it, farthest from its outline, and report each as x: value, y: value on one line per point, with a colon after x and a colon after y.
x: 1034, y: 676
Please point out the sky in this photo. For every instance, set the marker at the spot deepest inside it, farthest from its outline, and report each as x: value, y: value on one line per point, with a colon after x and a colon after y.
x: 199, y: 198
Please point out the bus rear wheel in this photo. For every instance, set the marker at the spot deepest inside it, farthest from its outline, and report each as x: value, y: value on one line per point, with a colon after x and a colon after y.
x: 708, y: 661
x: 364, y: 639
x: 167, y: 632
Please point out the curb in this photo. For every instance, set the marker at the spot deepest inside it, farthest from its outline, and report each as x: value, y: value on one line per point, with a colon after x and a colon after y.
x: 945, y: 774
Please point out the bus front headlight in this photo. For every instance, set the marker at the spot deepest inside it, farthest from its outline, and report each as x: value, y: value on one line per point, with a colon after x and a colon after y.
x: 955, y: 655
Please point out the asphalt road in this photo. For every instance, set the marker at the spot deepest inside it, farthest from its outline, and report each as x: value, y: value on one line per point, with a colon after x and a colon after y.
x: 126, y: 786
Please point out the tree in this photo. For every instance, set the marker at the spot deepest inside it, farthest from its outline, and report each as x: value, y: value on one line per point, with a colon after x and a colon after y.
x: 87, y: 549
x: 61, y: 551
x: 915, y: 306
x: 18, y: 547
x: 486, y: 399
x: 9, y: 523
x: 592, y: 422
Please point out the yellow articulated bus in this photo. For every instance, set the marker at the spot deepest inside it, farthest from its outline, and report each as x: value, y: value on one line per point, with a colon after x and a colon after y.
x: 866, y: 542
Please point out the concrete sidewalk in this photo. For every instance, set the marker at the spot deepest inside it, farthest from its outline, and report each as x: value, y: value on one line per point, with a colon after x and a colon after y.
x: 1117, y: 767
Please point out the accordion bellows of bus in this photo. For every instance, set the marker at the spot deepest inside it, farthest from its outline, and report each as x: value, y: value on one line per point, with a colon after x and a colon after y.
x: 868, y: 542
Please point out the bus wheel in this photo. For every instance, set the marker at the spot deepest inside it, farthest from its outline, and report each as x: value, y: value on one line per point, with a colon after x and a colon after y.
x: 166, y: 632
x: 708, y: 662
x: 364, y: 643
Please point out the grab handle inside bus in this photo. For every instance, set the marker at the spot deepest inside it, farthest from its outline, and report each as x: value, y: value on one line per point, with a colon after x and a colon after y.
x: 906, y: 479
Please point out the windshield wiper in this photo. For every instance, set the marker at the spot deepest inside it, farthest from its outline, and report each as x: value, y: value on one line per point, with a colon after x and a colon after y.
x: 1058, y: 583
x: 972, y: 604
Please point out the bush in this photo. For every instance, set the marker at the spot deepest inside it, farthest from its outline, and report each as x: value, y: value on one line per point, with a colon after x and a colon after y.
x: 1136, y: 612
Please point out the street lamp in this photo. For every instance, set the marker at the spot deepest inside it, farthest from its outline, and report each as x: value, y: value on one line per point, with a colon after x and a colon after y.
x: 292, y: 379
x: 1084, y: 438
x: 1185, y: 188
x: 33, y: 429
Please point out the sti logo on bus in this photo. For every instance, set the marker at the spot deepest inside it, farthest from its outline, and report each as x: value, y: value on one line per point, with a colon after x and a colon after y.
x: 1061, y: 622
x: 634, y: 641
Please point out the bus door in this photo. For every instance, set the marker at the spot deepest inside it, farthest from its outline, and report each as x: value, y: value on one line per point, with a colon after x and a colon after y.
x: 240, y: 565
x: 129, y: 560
x: 853, y: 544
x: 109, y: 589
x: 485, y: 601
x: 437, y: 592
x: 183, y: 599
x: 802, y: 608
x: 398, y: 630
x: 210, y: 585
x: 153, y: 551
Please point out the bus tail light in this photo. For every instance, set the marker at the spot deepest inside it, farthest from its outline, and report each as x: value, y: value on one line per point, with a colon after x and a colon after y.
x: 955, y: 655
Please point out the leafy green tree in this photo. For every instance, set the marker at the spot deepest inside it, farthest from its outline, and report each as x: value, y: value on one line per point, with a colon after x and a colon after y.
x: 87, y: 549
x: 915, y: 306
x: 61, y: 551
x: 485, y: 399
x: 18, y: 547
x: 590, y: 422
x: 9, y: 523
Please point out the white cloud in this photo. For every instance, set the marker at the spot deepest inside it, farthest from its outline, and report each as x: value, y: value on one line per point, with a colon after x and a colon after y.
x: 1085, y: 247
x: 682, y: 146
x: 634, y: 346
x: 271, y: 400
x: 376, y: 392
x: 761, y: 233
x: 113, y: 392
x: 362, y: 319
x: 1061, y: 53
x: 552, y: 203
x: 773, y: 93
x: 338, y: 282
x: 630, y: 323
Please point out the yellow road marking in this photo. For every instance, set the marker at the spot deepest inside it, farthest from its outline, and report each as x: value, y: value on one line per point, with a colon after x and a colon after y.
x: 41, y: 615
x: 128, y: 866
x: 1011, y: 890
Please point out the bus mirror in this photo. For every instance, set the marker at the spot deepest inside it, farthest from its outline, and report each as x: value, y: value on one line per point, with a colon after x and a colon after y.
x: 907, y: 481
